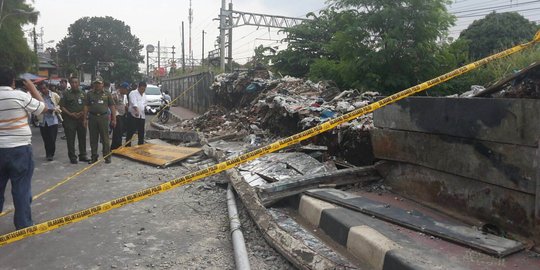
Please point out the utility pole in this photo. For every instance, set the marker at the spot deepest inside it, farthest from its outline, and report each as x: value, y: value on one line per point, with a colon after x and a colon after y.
x: 190, y: 23
x: 158, y: 57
x: 173, y: 64
x: 183, y: 50
x: 230, y: 60
x: 222, y: 34
x: 35, y: 48
x: 202, y: 58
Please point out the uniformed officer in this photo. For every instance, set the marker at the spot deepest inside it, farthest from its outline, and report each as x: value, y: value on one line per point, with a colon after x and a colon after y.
x: 72, y: 105
x: 96, y: 108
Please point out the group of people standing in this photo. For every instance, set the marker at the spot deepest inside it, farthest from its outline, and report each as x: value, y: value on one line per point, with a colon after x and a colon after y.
x: 77, y: 111
x: 95, y: 111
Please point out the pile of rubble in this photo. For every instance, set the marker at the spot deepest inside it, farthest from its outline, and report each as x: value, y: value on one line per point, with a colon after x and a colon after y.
x: 528, y: 86
x: 282, y: 106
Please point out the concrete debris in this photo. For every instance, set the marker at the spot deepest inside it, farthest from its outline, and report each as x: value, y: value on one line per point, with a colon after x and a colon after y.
x: 524, y: 83
x: 284, y: 106
x: 475, y: 89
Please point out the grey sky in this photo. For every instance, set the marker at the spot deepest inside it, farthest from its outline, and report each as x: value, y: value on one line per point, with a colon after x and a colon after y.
x: 160, y: 20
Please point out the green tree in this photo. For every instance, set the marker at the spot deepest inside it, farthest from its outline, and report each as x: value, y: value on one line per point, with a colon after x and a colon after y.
x: 497, y: 31
x: 384, y: 45
x: 307, y: 43
x: 14, y: 50
x: 103, y: 39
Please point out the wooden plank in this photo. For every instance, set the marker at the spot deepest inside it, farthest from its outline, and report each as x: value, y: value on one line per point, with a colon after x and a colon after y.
x: 159, y: 155
x: 271, y: 192
x: 451, y: 231
x: 466, y: 198
x: 496, y: 120
x: 504, y: 165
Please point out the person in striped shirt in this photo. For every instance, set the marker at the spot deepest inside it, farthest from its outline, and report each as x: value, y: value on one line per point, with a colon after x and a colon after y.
x: 16, y: 163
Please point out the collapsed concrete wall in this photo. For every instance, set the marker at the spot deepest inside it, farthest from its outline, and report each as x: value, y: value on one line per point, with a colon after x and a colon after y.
x: 471, y: 157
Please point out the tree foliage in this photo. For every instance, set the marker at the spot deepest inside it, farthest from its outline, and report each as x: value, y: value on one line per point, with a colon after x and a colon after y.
x: 14, y: 50
x: 385, y: 45
x: 103, y: 39
x: 497, y: 31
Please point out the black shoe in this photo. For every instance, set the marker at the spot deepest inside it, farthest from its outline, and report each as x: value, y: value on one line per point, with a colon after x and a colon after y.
x: 84, y: 159
x: 94, y: 160
x: 108, y: 160
x: 49, y: 158
x: 73, y: 161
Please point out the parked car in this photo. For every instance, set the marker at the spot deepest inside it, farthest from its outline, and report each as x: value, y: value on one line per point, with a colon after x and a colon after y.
x: 153, y: 98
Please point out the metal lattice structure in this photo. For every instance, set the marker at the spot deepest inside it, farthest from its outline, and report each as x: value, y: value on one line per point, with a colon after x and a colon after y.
x: 229, y: 19
x: 240, y: 18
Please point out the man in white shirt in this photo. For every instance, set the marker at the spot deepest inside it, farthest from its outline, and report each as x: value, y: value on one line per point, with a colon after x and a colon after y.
x: 16, y: 163
x: 136, y: 117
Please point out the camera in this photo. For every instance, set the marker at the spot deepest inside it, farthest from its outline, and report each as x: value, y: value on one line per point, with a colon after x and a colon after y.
x: 19, y: 84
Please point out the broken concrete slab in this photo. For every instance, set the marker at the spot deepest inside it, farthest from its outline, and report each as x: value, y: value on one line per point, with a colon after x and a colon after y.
x: 276, y: 167
x: 451, y: 231
x: 295, y: 250
x: 179, y: 136
x: 488, y: 119
x: 505, y: 165
x: 271, y: 192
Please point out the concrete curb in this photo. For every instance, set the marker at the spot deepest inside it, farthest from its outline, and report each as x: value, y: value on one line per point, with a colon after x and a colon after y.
x: 362, y: 241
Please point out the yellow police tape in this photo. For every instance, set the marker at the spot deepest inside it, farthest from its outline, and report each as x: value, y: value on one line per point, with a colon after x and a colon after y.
x: 186, y: 179
x: 75, y: 175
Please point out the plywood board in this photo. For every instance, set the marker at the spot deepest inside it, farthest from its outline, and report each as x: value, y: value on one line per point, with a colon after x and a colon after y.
x: 160, y: 155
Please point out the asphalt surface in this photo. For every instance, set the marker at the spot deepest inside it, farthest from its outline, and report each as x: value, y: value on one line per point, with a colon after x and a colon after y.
x: 185, y: 228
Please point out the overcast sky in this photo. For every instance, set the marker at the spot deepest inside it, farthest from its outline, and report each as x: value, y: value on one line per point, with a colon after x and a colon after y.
x: 159, y: 20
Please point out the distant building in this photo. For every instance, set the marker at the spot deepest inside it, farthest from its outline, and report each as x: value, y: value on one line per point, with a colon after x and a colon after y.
x: 47, y: 66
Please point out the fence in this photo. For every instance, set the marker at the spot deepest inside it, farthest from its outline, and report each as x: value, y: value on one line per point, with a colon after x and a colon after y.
x: 198, y: 99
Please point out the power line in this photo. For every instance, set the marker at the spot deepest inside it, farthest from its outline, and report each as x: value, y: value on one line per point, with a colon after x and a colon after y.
x: 484, y: 14
x: 496, y: 7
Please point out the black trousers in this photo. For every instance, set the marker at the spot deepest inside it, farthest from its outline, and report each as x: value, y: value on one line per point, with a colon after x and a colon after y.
x: 118, y: 131
x: 135, y: 125
x: 48, y: 133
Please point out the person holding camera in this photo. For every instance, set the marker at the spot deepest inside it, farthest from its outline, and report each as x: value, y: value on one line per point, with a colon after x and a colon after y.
x: 16, y: 163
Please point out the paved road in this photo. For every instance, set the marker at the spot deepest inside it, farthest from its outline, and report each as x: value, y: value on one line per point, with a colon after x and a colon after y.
x: 186, y: 228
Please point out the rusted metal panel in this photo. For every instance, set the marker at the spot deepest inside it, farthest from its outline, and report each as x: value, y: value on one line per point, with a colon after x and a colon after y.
x: 466, y: 198
x: 160, y: 155
x: 489, y: 119
x: 505, y: 165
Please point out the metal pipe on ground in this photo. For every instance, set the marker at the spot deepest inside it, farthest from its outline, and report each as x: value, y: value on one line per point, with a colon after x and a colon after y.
x: 239, y: 245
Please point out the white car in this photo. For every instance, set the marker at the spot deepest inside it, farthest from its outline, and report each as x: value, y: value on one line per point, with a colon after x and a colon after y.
x: 153, y: 98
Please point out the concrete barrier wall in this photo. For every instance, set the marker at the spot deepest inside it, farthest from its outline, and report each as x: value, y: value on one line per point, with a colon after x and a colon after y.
x: 475, y: 157
x: 198, y: 99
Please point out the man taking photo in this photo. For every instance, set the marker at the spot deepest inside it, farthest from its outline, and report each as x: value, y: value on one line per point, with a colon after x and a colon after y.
x: 16, y: 162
